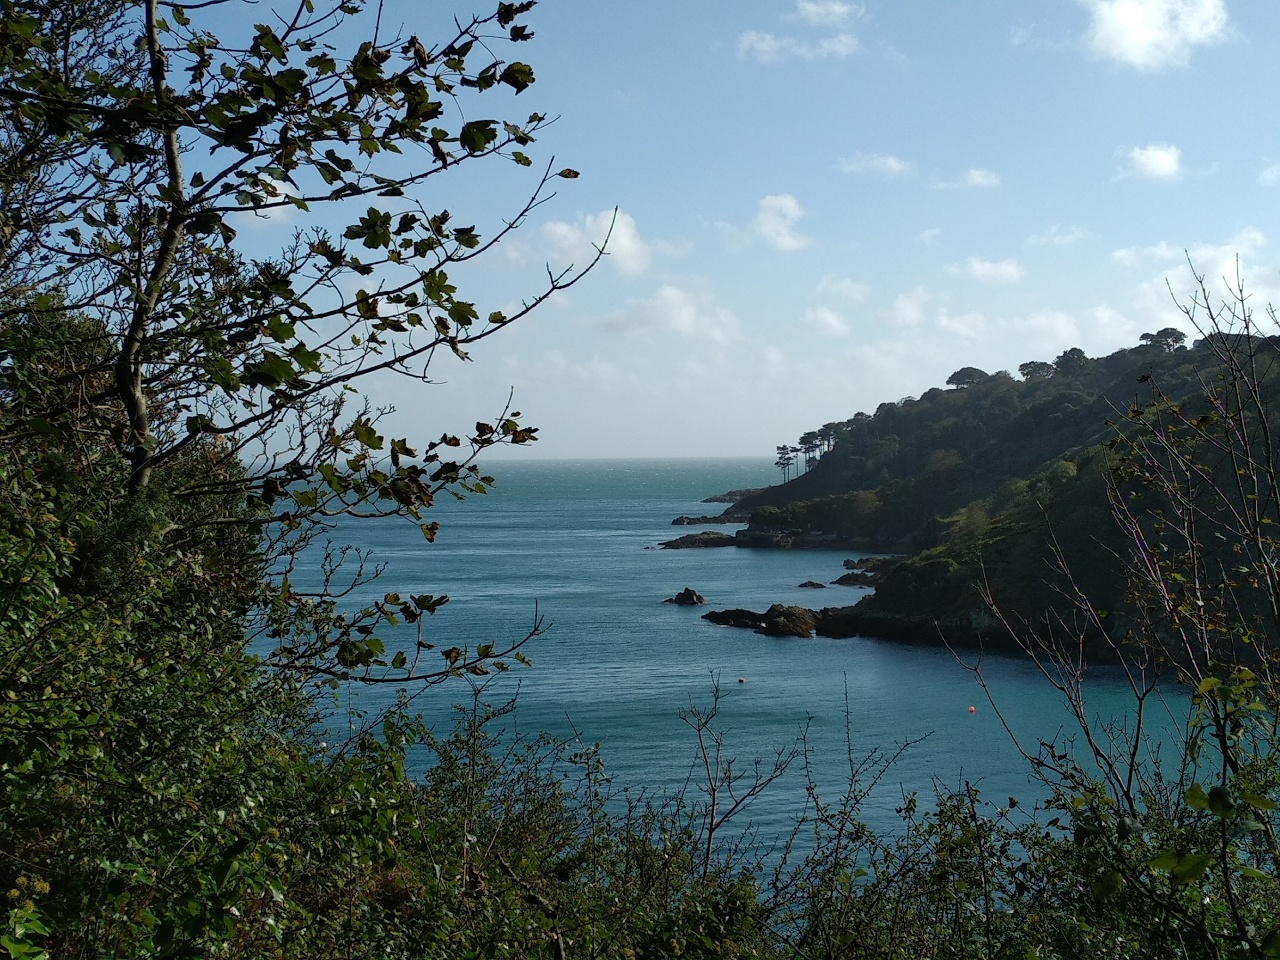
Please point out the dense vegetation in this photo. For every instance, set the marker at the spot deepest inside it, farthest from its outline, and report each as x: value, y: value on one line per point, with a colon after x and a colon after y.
x: 180, y: 773
x: 1000, y: 489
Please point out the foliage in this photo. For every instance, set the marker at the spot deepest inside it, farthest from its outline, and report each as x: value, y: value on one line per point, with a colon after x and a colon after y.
x: 999, y: 483
x: 967, y: 377
x: 179, y: 418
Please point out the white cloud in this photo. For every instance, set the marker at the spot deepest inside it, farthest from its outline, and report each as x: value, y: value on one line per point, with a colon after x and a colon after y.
x: 842, y: 289
x: 1161, y: 252
x: 996, y: 271
x: 1057, y: 236
x: 771, y: 48
x: 968, y: 326
x: 1156, y: 161
x: 824, y: 13
x: 1270, y: 177
x: 885, y: 164
x: 1172, y: 282
x: 1152, y: 34
x: 776, y: 220
x: 930, y: 237
x: 1246, y: 243
x: 825, y: 320
x: 908, y: 309
x: 577, y: 241
x: 980, y: 178
x: 973, y: 177
x: 672, y: 309
x: 1019, y: 36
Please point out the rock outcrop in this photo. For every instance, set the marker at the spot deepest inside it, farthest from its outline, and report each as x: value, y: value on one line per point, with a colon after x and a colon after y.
x: 733, y: 496
x: 729, y: 516
x: 778, y: 621
x: 688, y: 597
x: 813, y: 585
x: 867, y: 571
x: 707, y: 538
x: 972, y: 629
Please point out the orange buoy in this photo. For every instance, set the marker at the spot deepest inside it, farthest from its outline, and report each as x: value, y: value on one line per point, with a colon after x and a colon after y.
x: 973, y: 709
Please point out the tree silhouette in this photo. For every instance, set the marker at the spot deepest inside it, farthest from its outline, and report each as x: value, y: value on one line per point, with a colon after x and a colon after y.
x: 967, y: 377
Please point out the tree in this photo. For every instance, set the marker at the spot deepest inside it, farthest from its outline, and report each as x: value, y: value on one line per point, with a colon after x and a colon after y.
x: 786, y: 460
x: 1070, y: 361
x: 828, y: 433
x: 967, y: 377
x: 1167, y: 339
x: 178, y: 419
x: 1036, y: 370
x: 1195, y: 492
x: 810, y: 444
x: 138, y: 139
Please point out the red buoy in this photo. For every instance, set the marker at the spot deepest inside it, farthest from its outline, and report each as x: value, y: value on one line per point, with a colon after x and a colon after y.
x: 973, y: 709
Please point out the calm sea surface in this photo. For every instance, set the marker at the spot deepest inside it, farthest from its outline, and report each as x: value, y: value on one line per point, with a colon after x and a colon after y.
x: 571, y: 541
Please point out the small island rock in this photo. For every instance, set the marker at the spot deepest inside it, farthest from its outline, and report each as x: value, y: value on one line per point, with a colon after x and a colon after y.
x: 813, y: 585
x: 688, y: 597
x: 707, y: 538
x: 778, y: 621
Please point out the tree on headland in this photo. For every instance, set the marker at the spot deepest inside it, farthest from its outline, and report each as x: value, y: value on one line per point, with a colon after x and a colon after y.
x: 1070, y: 361
x: 810, y: 445
x: 827, y: 435
x: 967, y: 377
x: 1036, y: 370
x: 1167, y: 339
x: 786, y: 460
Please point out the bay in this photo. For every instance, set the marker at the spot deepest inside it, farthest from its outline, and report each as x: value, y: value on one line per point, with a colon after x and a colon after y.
x: 574, y: 543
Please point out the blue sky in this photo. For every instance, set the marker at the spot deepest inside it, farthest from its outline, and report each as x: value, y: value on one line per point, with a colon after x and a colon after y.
x: 826, y: 205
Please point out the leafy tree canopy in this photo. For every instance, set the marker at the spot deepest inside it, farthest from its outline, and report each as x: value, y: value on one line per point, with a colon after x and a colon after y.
x: 966, y: 377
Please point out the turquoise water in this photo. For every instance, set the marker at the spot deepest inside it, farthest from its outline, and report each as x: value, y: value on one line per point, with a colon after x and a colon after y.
x: 572, y: 541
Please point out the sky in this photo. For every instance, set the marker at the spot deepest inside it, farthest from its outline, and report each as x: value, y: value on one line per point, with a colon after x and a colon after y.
x: 824, y: 205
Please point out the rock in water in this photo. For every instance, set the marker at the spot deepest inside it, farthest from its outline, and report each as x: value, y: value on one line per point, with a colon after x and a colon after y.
x: 707, y: 538
x: 688, y: 597
x: 778, y: 621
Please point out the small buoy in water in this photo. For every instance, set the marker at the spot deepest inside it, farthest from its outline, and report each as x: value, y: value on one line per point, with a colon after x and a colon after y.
x: 742, y: 679
x: 973, y: 709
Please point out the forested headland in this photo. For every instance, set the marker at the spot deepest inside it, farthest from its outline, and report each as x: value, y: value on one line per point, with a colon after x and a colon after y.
x: 181, y: 419
x: 1000, y: 494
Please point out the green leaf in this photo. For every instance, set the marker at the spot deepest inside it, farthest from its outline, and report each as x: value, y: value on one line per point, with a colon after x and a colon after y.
x: 1259, y: 802
x: 366, y: 434
x: 518, y: 76
x: 1208, y: 684
x: 1191, y: 868
x: 272, y: 370
x: 1220, y: 802
x: 1196, y: 798
x: 1108, y: 886
x: 478, y: 135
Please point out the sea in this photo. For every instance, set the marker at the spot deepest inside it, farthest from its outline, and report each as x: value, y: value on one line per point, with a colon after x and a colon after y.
x: 574, y: 545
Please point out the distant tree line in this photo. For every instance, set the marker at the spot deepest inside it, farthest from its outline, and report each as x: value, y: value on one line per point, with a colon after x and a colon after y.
x: 813, y: 445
